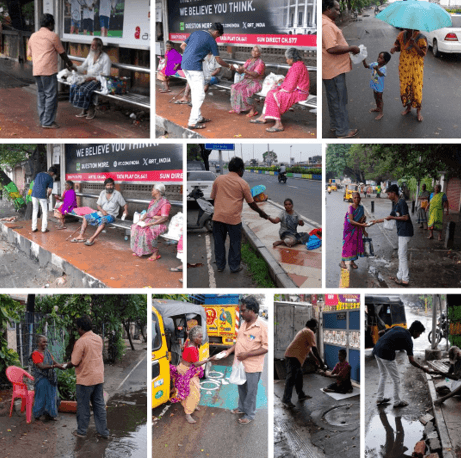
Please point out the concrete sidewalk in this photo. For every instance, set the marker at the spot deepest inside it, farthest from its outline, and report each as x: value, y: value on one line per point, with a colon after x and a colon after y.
x: 19, y: 119
x: 171, y: 119
x: 428, y: 259
x: 108, y: 263
x: 294, y: 267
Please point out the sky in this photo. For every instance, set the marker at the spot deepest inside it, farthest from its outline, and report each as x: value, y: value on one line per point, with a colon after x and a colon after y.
x: 300, y: 152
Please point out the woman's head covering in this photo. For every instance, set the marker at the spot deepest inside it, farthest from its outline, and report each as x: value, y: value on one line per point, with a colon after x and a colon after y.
x: 160, y: 187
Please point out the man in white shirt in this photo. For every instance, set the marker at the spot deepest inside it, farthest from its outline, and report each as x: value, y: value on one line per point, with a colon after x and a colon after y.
x: 88, y: 17
x: 96, y: 64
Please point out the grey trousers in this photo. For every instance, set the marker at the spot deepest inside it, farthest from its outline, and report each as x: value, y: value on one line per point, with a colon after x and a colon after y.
x: 95, y: 395
x: 247, y: 395
x: 47, y: 99
x: 336, y: 92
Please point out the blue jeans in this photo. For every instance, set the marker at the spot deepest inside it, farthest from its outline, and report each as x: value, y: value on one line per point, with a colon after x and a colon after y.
x: 95, y: 395
x: 47, y: 99
x: 336, y: 92
x: 220, y: 231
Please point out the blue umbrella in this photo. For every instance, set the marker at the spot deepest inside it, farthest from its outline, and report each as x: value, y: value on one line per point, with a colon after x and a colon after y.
x: 416, y: 15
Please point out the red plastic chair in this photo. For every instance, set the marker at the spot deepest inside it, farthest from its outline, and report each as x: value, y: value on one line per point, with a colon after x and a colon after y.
x: 15, y: 376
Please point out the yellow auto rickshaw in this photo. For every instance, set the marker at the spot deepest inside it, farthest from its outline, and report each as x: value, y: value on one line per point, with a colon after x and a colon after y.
x: 332, y: 184
x: 171, y: 321
x: 382, y: 312
x: 348, y: 190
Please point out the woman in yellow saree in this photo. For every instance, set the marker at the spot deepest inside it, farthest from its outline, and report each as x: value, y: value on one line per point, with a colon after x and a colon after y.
x: 437, y: 202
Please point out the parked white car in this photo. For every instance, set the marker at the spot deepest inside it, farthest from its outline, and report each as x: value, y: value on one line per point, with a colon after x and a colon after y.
x: 201, y: 178
x: 447, y: 39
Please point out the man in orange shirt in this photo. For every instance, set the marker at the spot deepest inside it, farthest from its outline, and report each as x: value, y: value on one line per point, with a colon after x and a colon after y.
x: 295, y: 355
x: 251, y: 346
x: 228, y: 192
x: 44, y: 47
x: 335, y: 64
x: 89, y: 368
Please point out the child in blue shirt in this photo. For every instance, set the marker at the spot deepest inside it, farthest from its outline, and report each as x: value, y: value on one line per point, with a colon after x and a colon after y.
x: 378, y: 72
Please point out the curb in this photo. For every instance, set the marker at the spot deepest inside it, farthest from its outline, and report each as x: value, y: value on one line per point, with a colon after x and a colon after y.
x: 47, y: 259
x: 175, y: 130
x: 263, y: 172
x: 440, y: 422
x: 278, y: 275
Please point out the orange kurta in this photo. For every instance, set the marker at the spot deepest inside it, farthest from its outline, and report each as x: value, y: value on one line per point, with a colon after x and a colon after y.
x: 411, y: 69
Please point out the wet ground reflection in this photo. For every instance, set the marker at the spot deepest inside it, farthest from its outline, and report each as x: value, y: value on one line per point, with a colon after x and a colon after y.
x: 391, y: 436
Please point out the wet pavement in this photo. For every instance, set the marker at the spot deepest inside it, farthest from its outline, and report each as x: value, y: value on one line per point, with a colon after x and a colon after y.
x: 109, y: 260
x: 303, y: 266
x: 125, y: 389
x: 439, y: 107
x: 318, y: 427
x: 390, y: 432
x: 300, y: 123
x: 217, y: 432
x: 431, y: 265
x: 19, y: 119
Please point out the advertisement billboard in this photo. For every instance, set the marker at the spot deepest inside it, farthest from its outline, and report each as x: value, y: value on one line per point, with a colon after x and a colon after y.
x: 245, y: 22
x: 124, y: 162
x: 125, y: 23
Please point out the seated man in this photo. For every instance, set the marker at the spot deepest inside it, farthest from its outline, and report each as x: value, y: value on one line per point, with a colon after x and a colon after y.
x: 211, y: 70
x: 342, y: 373
x: 96, y: 64
x: 109, y: 203
x: 454, y: 373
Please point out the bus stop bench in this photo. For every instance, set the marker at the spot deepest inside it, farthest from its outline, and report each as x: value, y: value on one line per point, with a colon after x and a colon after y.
x: 130, y: 97
x: 311, y: 101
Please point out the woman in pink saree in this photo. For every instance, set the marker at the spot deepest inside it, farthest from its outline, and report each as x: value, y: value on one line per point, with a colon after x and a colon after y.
x: 241, y: 92
x: 295, y: 88
x: 68, y: 203
x: 354, y: 229
x: 145, y: 232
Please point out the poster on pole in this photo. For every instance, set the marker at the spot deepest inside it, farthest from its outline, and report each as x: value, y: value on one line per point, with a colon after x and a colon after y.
x: 285, y: 23
x: 124, y: 162
x: 125, y: 23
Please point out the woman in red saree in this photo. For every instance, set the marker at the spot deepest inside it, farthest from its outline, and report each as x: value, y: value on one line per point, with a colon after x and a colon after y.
x: 295, y: 88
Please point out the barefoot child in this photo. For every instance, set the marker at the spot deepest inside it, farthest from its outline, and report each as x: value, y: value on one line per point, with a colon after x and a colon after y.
x: 378, y: 72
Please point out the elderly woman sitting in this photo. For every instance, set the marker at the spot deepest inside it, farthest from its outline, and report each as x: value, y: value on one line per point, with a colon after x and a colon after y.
x: 295, y: 88
x: 96, y: 64
x: 145, y: 232
x: 241, y: 92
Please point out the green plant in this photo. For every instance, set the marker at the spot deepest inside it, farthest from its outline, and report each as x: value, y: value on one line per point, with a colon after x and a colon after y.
x: 257, y: 267
x: 67, y: 384
x: 9, y: 311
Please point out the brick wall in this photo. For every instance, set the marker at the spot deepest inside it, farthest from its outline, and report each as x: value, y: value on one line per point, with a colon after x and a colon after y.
x: 454, y: 194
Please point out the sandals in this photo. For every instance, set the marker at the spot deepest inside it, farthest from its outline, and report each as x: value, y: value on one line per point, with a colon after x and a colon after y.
x: 352, y: 133
x: 252, y: 115
x: 244, y: 421
x: 181, y: 102
x: 154, y: 259
x: 354, y: 266
x: 383, y: 401
x: 175, y: 269
x: 61, y: 228
x: 236, y: 411
x: 232, y: 111
x: 88, y: 243
x: 81, y: 115
x: 274, y: 129
x: 204, y: 120
x: 399, y: 282
x: 197, y: 126
x: 74, y: 240
x: 257, y: 121
x: 400, y: 404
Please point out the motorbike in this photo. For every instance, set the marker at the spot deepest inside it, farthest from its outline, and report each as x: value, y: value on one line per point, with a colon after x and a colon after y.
x: 282, y: 177
x: 205, y: 213
x: 441, y: 331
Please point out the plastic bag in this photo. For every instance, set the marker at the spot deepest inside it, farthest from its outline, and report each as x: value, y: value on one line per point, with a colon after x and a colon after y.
x: 63, y: 74
x: 104, y: 90
x: 270, y: 81
x: 358, y: 58
x: 238, y: 376
x: 389, y: 224
x: 75, y: 78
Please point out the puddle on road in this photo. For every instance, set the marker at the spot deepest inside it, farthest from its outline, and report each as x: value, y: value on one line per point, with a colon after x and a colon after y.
x: 127, y: 423
x: 389, y: 436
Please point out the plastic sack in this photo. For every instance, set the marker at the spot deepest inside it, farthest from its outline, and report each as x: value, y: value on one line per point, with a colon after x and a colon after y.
x: 63, y: 74
x: 175, y: 228
x: 104, y: 90
x: 116, y: 85
x: 238, y: 376
x: 238, y: 77
x: 313, y: 243
x: 75, y: 78
x: 270, y: 81
x: 389, y: 224
x: 358, y: 58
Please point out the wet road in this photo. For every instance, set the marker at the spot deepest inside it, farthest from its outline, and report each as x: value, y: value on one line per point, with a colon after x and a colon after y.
x: 390, y: 432
x: 217, y: 432
x: 441, y: 91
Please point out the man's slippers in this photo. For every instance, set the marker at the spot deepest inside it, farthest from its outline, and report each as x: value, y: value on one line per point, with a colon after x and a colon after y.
x: 197, y: 126
x: 74, y: 240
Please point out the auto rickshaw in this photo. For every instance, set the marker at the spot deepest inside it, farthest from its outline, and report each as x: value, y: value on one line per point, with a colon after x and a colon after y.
x: 332, y: 184
x: 383, y: 312
x: 171, y: 321
x: 348, y: 190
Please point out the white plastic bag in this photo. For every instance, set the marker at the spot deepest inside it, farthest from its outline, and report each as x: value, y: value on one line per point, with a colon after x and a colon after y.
x: 175, y: 228
x: 238, y: 77
x: 389, y: 224
x: 238, y: 376
x: 358, y: 58
x: 63, y: 74
x: 75, y: 78
x: 104, y: 90
x: 270, y: 81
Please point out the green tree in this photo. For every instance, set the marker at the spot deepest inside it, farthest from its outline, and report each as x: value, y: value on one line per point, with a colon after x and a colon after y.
x: 336, y: 161
x: 365, y: 166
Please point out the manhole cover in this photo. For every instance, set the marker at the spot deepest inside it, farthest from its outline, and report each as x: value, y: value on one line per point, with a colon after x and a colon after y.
x: 343, y: 415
